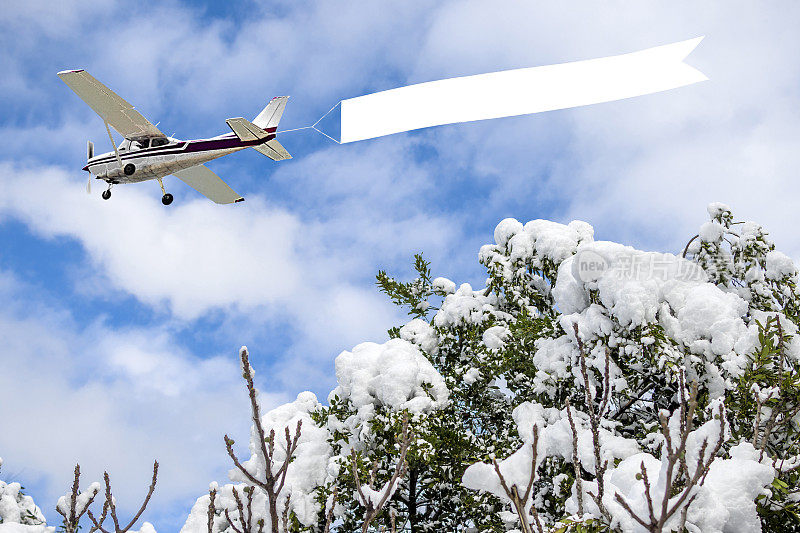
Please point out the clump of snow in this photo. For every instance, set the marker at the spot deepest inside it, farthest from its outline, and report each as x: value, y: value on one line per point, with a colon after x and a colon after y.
x: 555, y: 440
x: 640, y: 288
x: 464, y: 306
x: 724, y: 503
x: 422, y: 334
x: 197, y: 522
x: 556, y: 241
x: 81, y: 502
x: 372, y: 497
x: 494, y: 337
x: 711, y: 231
x: 546, y: 239
x: 779, y: 266
x: 731, y: 487
x: 506, y: 229
x: 717, y: 209
x: 394, y: 374
x: 471, y: 376
x: 443, y: 285
x: 18, y: 508
x: 537, y: 244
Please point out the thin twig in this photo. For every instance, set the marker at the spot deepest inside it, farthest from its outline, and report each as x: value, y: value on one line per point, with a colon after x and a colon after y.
x: 575, y: 461
x: 212, y: 494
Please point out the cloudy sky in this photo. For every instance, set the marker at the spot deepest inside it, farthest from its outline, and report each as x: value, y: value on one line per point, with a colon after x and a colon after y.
x: 120, y: 321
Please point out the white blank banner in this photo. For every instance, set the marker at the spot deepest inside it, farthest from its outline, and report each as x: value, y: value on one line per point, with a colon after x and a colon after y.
x: 518, y: 92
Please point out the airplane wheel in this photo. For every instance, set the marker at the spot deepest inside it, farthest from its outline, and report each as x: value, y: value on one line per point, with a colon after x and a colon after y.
x: 129, y: 169
x: 106, y: 194
x: 166, y: 199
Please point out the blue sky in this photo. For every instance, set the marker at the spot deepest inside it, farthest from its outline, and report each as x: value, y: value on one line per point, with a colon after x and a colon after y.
x: 120, y: 321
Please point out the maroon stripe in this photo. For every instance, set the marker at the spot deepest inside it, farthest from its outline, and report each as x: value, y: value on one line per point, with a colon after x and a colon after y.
x: 198, y: 145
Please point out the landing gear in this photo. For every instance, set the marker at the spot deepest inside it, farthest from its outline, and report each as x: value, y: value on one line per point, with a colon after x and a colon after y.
x: 107, y: 193
x: 167, y: 198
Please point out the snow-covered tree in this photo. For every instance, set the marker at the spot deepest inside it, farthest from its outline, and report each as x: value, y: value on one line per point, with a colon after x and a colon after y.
x: 18, y: 512
x: 588, y: 386
x: 620, y: 336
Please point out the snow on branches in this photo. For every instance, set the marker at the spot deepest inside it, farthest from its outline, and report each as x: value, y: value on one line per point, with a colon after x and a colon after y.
x: 642, y: 353
x: 18, y: 512
x: 588, y: 386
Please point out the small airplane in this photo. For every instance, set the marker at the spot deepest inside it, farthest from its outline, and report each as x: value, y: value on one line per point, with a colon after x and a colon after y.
x: 148, y: 154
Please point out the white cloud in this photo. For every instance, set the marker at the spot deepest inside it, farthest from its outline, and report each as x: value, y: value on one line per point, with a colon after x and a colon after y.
x: 192, y: 257
x: 640, y: 171
x: 114, y: 399
x: 252, y: 260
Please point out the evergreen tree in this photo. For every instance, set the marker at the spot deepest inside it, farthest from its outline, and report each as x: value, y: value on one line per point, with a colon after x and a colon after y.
x: 588, y: 386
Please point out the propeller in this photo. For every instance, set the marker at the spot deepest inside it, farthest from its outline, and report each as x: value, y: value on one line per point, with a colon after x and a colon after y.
x: 89, y: 155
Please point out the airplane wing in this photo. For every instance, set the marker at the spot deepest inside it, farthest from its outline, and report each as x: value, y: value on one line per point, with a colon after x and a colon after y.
x: 117, y: 112
x: 201, y: 179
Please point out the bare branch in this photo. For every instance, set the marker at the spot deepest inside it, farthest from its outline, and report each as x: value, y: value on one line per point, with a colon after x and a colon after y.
x: 229, y: 446
x: 230, y: 522
x: 576, y: 465
x: 145, y: 502
x: 247, y: 374
x: 686, y: 249
x: 648, y: 496
x: 680, y: 482
x: 373, y: 509
x: 73, y: 518
x: 594, y: 421
x: 98, y: 525
x: 273, y: 480
x: 329, y: 513
x: 624, y: 504
x: 513, y: 492
x: 212, y: 494
x: 240, y: 508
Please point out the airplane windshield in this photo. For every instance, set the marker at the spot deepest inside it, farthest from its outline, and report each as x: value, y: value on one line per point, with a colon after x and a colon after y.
x: 141, y: 145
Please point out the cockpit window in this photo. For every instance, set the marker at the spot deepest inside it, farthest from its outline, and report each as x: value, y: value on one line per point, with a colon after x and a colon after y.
x: 141, y: 145
x: 160, y: 141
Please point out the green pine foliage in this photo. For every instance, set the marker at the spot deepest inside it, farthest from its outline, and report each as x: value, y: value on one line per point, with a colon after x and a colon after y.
x: 487, y: 358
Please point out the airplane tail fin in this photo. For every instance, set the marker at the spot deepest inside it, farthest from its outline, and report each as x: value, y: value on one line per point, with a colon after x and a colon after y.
x: 271, y: 115
x: 263, y: 127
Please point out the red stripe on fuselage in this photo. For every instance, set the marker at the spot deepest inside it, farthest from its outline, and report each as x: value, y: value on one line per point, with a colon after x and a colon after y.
x: 224, y: 142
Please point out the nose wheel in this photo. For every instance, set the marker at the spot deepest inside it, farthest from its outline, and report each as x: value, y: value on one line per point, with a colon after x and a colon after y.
x: 167, y: 198
x: 107, y: 193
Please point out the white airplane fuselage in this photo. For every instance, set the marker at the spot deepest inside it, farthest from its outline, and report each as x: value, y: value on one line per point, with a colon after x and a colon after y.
x: 154, y: 162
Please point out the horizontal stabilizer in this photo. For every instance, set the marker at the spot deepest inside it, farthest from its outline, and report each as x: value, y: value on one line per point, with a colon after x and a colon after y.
x: 274, y: 150
x: 271, y: 115
x: 204, y: 181
x: 246, y: 130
